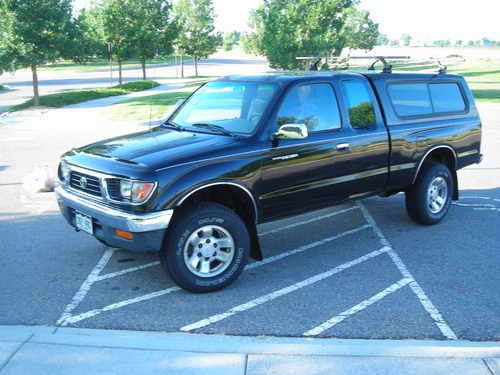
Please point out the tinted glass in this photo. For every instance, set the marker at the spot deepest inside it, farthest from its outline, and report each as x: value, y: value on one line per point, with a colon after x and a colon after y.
x: 236, y: 106
x: 361, y: 112
x: 410, y: 99
x: 446, y: 97
x: 313, y: 105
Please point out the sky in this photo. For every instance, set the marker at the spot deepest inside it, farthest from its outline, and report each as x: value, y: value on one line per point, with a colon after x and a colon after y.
x: 424, y: 20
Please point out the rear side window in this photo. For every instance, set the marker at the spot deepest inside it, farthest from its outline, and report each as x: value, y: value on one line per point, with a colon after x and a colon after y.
x: 410, y: 99
x: 446, y: 97
x: 313, y: 105
x: 361, y: 112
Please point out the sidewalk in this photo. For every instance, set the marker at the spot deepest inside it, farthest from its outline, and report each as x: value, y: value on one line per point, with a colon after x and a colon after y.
x: 50, y: 350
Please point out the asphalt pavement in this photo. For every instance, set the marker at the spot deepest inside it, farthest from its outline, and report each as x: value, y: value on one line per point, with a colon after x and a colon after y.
x: 361, y: 270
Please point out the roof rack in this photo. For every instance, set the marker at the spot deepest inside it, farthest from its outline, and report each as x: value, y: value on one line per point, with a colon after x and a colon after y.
x: 387, y: 67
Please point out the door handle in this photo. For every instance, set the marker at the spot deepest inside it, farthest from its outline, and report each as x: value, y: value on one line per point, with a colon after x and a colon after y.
x: 343, y: 147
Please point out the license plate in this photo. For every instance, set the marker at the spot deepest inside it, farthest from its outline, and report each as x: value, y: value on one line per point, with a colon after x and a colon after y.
x: 84, y: 222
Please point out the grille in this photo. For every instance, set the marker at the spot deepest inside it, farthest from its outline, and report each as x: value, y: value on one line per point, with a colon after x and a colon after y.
x: 90, y: 184
x: 113, y: 188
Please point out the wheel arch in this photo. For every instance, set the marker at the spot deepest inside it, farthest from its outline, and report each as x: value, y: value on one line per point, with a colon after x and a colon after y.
x: 234, y: 196
x: 443, y: 154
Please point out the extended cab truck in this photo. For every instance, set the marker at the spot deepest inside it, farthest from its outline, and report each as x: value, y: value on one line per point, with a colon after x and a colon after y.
x: 243, y: 150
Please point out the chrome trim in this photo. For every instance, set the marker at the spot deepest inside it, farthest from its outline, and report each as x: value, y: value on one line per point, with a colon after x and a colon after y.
x: 427, y: 154
x: 342, y: 147
x: 286, y: 157
x: 104, y: 186
x: 325, y: 182
x: 468, y: 153
x: 271, y: 148
x: 246, y: 190
x: 135, y: 222
x: 400, y: 167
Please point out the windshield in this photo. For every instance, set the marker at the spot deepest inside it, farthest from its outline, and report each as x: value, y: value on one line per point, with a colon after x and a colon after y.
x: 237, y: 107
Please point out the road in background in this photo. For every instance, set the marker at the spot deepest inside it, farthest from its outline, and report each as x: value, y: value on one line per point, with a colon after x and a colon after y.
x: 54, y: 81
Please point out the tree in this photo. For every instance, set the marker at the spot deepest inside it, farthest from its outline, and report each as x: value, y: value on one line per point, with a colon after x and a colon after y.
x: 41, y: 32
x: 359, y: 31
x: 231, y: 39
x: 284, y: 30
x: 406, y: 39
x: 197, y: 37
x: 382, y: 40
x: 119, y: 31
x: 154, y: 30
x: 6, y: 37
x: 89, y: 39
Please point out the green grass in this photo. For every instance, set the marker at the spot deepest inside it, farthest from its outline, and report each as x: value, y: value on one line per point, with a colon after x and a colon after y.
x: 146, y: 107
x: 104, y: 64
x: 74, y: 97
x: 482, y: 75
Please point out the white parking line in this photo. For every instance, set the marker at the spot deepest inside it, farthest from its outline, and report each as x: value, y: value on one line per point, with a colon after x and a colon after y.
x: 304, y: 247
x: 85, y: 287
x: 414, y: 285
x: 357, y: 308
x: 308, y: 221
x: 76, y: 318
x: 281, y: 292
x: 126, y: 270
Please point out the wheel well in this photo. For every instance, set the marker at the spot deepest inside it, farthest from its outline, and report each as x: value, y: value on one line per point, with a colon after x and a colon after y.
x: 445, y: 156
x: 235, y: 198
x: 442, y: 155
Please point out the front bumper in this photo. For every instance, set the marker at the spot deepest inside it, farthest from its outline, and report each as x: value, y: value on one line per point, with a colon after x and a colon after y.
x: 148, y: 229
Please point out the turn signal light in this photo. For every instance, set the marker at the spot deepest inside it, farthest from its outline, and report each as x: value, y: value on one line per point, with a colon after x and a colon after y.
x: 123, y: 234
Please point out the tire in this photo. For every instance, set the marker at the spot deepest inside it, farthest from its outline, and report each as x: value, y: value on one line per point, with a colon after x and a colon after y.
x: 206, y: 233
x: 429, y: 199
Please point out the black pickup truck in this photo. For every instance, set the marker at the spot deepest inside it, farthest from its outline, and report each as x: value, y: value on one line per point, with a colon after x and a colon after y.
x: 242, y: 150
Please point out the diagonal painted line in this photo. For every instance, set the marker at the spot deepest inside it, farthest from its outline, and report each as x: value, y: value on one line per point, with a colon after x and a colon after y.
x: 126, y: 270
x: 85, y: 287
x: 281, y: 292
x: 89, y: 314
x: 414, y: 285
x: 357, y: 308
x: 304, y: 248
x: 67, y: 318
x: 308, y: 221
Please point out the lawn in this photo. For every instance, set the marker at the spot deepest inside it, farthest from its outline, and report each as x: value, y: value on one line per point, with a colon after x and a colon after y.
x: 104, y: 64
x: 482, y: 75
x: 152, y: 107
x: 74, y: 97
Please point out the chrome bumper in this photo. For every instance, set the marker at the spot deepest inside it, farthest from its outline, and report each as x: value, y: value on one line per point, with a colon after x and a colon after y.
x: 118, y: 219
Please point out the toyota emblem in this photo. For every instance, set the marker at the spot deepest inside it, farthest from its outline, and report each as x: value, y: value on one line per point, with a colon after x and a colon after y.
x: 83, y: 182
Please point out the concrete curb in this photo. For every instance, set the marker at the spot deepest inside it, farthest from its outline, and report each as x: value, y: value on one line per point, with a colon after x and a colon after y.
x: 27, y: 349
x: 202, y: 343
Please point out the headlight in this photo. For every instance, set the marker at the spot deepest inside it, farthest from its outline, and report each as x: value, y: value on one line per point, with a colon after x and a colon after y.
x: 64, y: 172
x: 135, y: 191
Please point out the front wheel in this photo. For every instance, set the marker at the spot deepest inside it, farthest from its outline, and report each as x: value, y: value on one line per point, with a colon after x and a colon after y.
x: 206, y: 248
x: 429, y: 199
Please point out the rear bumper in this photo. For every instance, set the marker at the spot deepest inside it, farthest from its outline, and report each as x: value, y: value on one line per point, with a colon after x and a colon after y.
x: 148, y: 229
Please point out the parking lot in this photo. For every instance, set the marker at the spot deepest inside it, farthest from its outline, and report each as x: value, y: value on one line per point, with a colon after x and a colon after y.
x: 358, y: 270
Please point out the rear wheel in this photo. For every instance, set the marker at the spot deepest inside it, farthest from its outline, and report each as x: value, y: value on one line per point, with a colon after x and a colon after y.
x: 428, y: 201
x: 206, y: 248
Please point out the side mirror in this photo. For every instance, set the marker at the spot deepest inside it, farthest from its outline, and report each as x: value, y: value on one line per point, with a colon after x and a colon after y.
x: 292, y: 131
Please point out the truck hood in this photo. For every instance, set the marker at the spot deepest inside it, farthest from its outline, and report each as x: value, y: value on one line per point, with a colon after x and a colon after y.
x: 160, y: 147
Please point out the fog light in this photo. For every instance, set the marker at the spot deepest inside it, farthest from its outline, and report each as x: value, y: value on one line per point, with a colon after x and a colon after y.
x: 123, y: 234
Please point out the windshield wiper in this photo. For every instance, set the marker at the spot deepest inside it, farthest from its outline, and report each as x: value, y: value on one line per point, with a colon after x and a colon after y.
x: 172, y: 125
x: 214, y: 127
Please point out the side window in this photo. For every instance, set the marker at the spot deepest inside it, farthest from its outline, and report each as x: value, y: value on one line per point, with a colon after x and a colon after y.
x: 361, y: 112
x: 313, y: 105
x: 446, y: 97
x: 410, y: 99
